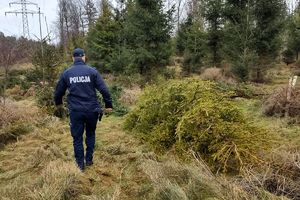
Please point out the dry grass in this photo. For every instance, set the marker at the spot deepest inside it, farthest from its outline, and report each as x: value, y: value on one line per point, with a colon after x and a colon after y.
x: 277, y: 103
x: 172, y: 180
x: 38, y: 166
x: 60, y: 180
x: 213, y: 74
x: 280, y: 175
x: 17, y: 93
x: 12, y: 112
x: 23, y: 66
x: 130, y: 95
x: 41, y: 166
x: 216, y: 74
x: 16, y: 119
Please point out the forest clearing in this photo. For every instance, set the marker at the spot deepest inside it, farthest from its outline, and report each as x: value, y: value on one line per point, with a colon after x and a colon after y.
x: 37, y: 161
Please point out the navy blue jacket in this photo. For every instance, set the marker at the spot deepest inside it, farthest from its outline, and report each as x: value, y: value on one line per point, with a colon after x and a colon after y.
x: 82, y: 81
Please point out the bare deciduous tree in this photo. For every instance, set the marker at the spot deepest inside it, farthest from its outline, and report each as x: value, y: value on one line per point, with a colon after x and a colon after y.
x: 90, y: 12
x: 9, y: 55
x: 75, y: 18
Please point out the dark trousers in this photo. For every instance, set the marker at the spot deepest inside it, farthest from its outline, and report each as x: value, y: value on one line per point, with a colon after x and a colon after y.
x: 78, y: 122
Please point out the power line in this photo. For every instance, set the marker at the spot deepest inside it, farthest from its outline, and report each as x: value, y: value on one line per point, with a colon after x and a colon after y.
x: 24, y: 11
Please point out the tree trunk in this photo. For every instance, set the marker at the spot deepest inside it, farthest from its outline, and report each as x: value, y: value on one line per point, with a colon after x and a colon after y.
x: 5, y: 85
x: 178, y: 14
x: 258, y: 75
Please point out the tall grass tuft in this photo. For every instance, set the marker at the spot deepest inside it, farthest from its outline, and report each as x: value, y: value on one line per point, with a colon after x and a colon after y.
x: 60, y: 180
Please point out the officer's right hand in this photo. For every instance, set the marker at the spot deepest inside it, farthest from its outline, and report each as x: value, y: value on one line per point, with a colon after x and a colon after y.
x: 59, y: 111
x: 108, y: 110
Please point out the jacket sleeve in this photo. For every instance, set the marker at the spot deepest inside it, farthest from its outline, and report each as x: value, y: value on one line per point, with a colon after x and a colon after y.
x: 60, y: 90
x: 102, y: 88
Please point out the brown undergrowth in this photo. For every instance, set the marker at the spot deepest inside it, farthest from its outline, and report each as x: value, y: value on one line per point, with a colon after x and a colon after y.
x: 277, y: 104
x: 17, y: 119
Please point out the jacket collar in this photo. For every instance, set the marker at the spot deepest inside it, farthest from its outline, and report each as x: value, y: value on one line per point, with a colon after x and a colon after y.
x: 79, y: 61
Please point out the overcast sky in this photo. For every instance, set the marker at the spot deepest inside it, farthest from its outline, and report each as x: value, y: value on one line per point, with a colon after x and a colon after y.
x: 12, y: 24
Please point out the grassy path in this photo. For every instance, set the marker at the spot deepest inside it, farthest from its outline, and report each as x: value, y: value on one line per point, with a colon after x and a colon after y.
x: 40, y: 166
x: 118, y: 156
x: 116, y: 173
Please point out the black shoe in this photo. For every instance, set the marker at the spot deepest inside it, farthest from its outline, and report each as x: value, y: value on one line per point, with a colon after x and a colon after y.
x: 89, y: 163
x: 81, y: 167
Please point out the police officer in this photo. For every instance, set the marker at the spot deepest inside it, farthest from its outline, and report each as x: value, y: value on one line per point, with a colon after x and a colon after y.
x: 82, y: 81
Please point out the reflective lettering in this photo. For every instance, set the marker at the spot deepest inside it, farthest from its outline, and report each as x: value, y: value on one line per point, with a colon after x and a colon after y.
x: 80, y: 79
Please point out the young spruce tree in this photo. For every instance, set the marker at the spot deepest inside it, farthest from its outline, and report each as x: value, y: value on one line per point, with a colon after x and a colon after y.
x: 191, y: 43
x: 103, y: 38
x: 239, y: 38
x: 269, y: 18
x: 214, y: 11
x: 293, y: 37
x: 147, y: 30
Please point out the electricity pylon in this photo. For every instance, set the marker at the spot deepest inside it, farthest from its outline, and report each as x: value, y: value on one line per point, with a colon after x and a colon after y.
x: 24, y: 11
